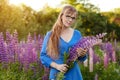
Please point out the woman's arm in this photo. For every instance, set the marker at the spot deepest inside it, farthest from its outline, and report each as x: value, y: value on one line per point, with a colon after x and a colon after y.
x: 45, y: 59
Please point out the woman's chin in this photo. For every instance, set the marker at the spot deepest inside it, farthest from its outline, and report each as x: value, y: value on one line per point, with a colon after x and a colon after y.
x: 67, y: 25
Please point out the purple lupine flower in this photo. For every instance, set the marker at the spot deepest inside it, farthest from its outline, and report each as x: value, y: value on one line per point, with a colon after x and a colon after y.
x: 101, y: 35
x: 29, y: 52
x: 34, y: 55
x: 12, y: 43
x: 29, y: 38
x: 11, y: 51
x: 91, y: 52
x: 16, y: 45
x: 15, y: 37
x: 8, y: 37
x: 106, y: 60
x: 26, y: 52
x: 21, y: 55
x: 40, y: 41
x: 109, y: 53
x: 93, y: 58
x: 96, y: 58
x: 85, y: 43
x: 115, y: 44
x: 25, y: 58
x: 107, y: 48
x: 114, y: 56
x: 3, y: 54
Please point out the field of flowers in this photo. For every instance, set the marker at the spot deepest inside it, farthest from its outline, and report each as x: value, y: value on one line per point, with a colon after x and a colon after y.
x: 19, y: 59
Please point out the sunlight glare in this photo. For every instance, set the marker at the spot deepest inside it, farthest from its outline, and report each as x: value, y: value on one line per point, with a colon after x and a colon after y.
x: 36, y: 4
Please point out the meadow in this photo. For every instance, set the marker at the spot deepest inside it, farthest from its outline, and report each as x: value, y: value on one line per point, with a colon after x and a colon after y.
x: 20, y: 60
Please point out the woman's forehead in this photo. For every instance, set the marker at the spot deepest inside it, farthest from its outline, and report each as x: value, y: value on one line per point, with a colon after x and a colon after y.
x: 71, y: 13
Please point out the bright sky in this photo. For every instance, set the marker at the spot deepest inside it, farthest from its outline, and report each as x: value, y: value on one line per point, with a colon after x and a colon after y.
x: 36, y: 4
x: 104, y: 5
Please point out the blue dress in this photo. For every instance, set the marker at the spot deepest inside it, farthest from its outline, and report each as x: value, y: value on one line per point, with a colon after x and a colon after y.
x: 72, y: 74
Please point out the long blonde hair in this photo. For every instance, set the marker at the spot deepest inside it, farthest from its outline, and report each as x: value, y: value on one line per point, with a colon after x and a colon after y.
x: 53, y: 43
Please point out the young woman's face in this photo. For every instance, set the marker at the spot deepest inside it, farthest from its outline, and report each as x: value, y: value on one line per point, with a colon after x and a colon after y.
x: 68, y: 19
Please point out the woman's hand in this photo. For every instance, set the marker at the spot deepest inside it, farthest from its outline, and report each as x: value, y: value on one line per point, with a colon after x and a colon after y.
x: 81, y: 52
x: 61, y: 67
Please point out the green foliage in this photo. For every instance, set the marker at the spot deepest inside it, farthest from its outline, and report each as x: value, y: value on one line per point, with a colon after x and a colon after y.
x: 65, y: 57
x: 25, y: 20
x: 96, y: 23
x: 46, y: 18
x: 117, y: 10
x: 98, y: 51
x: 72, y: 2
x: 14, y: 71
x: 60, y: 76
x: 118, y: 53
x: 110, y: 73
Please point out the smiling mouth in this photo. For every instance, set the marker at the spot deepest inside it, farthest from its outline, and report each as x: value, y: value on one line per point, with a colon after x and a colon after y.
x: 69, y: 23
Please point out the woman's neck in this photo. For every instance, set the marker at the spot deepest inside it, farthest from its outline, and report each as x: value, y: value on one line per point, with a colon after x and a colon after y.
x: 66, y: 30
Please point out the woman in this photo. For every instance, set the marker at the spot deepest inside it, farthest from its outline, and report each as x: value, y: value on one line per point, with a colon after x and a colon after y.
x: 58, y: 41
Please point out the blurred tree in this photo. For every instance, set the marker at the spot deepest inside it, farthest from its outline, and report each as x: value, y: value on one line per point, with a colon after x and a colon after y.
x: 93, y: 23
x: 46, y: 18
x: 29, y: 19
x: 4, y: 14
x: 117, y: 10
x: 24, y: 19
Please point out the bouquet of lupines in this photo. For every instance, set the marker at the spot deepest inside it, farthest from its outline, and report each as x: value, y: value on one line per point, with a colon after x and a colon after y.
x: 85, y: 43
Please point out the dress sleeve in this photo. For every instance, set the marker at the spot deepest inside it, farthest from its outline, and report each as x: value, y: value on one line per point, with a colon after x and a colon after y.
x: 45, y: 59
x: 83, y: 58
